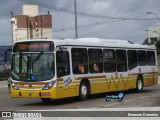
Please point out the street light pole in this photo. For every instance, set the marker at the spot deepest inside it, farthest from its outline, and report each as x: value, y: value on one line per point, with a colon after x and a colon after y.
x: 76, y: 28
x: 154, y: 15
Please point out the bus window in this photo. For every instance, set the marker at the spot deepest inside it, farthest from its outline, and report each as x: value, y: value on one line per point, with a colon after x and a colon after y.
x: 109, y: 60
x: 132, y: 59
x: 142, y: 58
x: 95, y: 60
x: 32, y: 66
x: 63, y: 67
x: 121, y: 60
x: 79, y: 60
x: 151, y: 58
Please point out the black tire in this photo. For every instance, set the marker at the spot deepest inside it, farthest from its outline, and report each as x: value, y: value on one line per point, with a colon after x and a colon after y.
x: 83, y: 91
x: 139, y: 84
x: 46, y: 100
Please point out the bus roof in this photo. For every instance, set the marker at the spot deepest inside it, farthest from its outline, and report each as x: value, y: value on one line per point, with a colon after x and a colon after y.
x: 95, y: 42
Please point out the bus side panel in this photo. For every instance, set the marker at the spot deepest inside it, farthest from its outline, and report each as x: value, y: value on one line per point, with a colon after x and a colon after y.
x: 132, y: 81
x: 98, y: 85
x: 67, y: 91
x: 113, y: 84
x: 150, y: 76
x: 150, y: 79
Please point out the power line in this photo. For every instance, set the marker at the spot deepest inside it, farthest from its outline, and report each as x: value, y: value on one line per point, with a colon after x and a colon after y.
x: 84, y: 14
x: 63, y: 9
x: 135, y: 36
x: 116, y: 19
x: 85, y: 26
x: 79, y: 13
x: 90, y: 25
x: 73, y: 28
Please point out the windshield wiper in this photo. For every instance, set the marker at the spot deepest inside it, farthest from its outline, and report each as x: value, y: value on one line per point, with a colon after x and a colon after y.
x: 37, y: 58
x: 16, y: 76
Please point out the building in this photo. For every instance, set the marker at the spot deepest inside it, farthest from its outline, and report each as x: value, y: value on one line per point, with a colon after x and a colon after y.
x: 153, y: 33
x: 30, y: 25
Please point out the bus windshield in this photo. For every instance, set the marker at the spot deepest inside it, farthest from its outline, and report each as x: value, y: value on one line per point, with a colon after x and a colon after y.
x: 32, y: 66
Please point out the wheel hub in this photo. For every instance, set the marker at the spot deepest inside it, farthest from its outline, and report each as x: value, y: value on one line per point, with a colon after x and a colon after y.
x: 84, y: 90
x: 139, y: 84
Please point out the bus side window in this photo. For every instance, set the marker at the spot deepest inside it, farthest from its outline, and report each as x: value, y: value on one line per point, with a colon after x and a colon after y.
x: 151, y: 58
x: 79, y: 61
x: 132, y: 59
x: 95, y: 60
x: 121, y: 60
x: 109, y: 60
x: 63, y: 68
x: 142, y: 58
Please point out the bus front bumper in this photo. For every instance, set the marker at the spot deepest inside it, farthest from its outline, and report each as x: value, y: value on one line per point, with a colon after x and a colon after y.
x: 33, y: 93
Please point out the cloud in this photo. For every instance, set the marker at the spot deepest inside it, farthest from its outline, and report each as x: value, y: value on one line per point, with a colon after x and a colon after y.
x: 115, y: 8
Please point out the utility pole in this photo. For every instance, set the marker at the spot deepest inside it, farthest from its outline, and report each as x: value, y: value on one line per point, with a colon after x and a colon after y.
x: 76, y: 28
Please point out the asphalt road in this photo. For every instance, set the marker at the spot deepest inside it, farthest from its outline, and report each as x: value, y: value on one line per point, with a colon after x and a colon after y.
x: 150, y: 97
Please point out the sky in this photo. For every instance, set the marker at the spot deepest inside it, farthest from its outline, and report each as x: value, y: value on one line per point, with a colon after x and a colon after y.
x: 114, y: 19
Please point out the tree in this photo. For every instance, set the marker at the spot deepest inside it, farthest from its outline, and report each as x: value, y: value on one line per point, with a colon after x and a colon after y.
x: 153, y: 41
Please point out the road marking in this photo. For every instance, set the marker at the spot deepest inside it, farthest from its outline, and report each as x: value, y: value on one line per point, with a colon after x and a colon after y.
x: 126, y: 101
x: 104, y: 109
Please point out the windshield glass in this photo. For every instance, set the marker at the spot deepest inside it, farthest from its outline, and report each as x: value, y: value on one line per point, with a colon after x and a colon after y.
x: 32, y: 66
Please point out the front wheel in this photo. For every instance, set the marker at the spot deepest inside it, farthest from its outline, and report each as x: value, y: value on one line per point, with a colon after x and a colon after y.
x: 9, y: 88
x: 83, y: 90
x: 139, y: 84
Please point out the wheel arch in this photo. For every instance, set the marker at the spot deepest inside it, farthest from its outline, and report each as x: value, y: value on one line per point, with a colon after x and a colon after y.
x: 140, y: 76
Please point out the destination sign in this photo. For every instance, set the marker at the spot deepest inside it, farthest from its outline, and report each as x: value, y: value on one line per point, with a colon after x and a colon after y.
x: 34, y: 46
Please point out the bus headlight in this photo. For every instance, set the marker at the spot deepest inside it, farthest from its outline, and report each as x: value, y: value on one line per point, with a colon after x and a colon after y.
x: 15, y: 86
x: 49, y: 85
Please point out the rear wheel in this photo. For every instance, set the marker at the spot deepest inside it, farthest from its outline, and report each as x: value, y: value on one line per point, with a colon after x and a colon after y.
x: 139, y: 84
x: 83, y: 90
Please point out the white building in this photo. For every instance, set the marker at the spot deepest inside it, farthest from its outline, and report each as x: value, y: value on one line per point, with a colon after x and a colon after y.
x: 30, y: 25
x: 153, y: 32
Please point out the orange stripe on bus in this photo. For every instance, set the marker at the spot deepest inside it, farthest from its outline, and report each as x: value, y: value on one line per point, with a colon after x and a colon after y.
x: 33, y: 83
x: 90, y: 77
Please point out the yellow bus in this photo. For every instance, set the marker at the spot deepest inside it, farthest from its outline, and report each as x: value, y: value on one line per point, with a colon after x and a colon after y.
x: 54, y: 69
